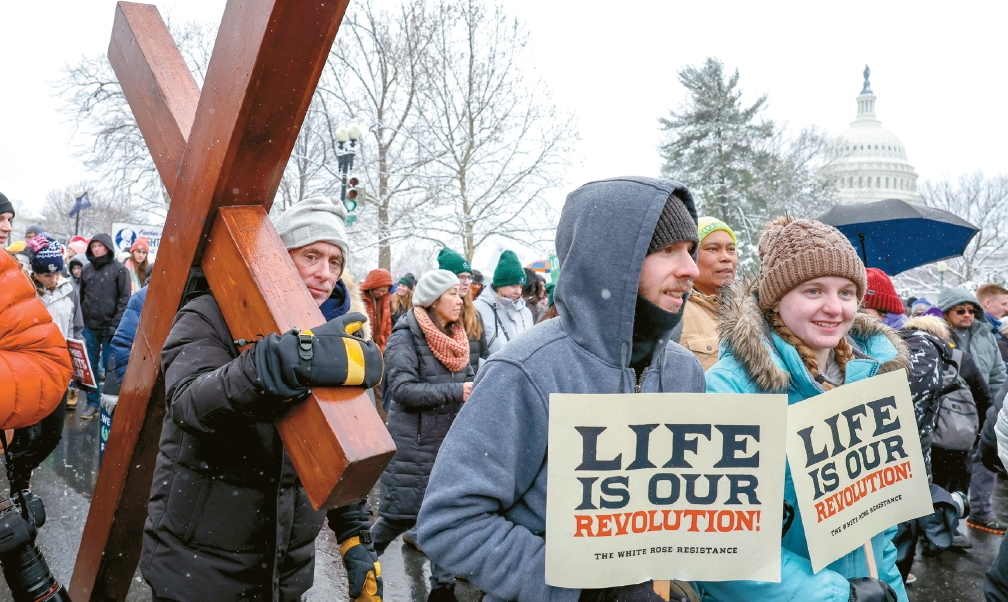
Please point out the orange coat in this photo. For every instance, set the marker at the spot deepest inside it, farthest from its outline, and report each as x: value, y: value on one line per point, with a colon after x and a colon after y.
x: 378, y: 308
x: 35, y: 366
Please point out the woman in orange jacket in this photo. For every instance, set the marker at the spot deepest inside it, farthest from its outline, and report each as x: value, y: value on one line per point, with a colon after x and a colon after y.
x: 35, y: 366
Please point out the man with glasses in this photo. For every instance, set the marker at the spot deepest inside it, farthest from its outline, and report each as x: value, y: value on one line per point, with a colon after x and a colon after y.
x: 974, y: 335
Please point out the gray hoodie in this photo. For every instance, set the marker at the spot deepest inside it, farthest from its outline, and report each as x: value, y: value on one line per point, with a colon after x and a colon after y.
x: 484, y: 513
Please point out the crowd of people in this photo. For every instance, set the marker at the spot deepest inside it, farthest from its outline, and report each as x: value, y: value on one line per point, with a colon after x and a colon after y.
x: 461, y: 369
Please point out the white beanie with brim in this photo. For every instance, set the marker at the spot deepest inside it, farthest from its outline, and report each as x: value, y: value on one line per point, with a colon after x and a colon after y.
x: 431, y: 286
x: 313, y: 220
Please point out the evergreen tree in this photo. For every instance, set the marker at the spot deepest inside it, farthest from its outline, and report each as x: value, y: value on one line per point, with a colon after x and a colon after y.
x: 741, y: 167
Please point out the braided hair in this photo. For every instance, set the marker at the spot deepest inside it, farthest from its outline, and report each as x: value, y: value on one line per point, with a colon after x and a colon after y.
x: 843, y: 350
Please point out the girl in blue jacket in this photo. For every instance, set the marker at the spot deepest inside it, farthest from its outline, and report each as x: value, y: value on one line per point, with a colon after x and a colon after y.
x: 795, y: 328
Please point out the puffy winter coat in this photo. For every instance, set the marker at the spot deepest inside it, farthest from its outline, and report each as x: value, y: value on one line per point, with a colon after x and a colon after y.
x: 426, y: 397
x: 64, y: 307
x: 228, y: 519
x: 35, y: 366
x: 700, y: 323
x: 503, y: 319
x: 484, y: 513
x: 751, y: 365
x: 982, y: 346
x: 122, y: 340
x: 104, y: 288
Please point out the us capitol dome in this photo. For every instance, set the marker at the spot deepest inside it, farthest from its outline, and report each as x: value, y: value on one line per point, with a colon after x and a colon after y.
x: 867, y: 161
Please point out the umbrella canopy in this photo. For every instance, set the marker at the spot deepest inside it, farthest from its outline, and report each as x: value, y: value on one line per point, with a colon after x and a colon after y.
x: 895, y: 236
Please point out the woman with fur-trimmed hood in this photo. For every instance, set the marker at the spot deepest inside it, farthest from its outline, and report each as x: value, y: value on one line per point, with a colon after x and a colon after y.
x: 795, y: 328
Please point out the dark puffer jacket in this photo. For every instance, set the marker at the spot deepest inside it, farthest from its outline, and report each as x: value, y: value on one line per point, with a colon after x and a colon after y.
x: 228, y: 518
x: 478, y: 349
x: 104, y: 288
x: 426, y: 397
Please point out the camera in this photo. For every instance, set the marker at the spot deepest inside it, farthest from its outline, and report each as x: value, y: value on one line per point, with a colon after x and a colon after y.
x: 24, y: 567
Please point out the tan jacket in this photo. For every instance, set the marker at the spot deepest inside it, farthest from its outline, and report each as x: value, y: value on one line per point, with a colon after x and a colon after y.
x: 700, y: 327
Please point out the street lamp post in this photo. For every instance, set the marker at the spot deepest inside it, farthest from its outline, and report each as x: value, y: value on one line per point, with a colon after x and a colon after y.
x: 942, y: 268
x: 346, y: 148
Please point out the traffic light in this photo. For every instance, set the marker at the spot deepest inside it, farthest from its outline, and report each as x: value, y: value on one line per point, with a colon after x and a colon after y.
x: 351, y: 194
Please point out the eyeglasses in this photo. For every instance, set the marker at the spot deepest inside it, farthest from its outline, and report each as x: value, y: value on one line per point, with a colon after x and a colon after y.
x: 962, y: 311
x: 464, y: 279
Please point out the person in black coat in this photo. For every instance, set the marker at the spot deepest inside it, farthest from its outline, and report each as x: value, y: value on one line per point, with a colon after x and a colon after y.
x: 104, y: 292
x: 429, y: 377
x: 228, y: 518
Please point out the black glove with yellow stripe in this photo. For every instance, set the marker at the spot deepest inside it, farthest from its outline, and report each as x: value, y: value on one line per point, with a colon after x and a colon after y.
x: 363, y: 570
x: 327, y: 356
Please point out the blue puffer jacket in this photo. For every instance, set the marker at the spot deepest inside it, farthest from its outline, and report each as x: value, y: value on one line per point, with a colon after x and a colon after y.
x: 777, y: 367
x: 122, y: 342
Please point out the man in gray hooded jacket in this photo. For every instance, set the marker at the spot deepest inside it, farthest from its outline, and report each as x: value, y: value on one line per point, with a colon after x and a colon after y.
x: 626, y: 250
x: 972, y: 333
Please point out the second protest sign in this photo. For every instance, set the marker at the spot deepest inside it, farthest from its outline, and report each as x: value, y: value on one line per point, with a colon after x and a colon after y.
x: 856, y: 462
x: 664, y: 486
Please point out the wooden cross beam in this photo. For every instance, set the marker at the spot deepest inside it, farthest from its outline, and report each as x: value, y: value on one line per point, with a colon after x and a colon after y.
x: 221, y: 154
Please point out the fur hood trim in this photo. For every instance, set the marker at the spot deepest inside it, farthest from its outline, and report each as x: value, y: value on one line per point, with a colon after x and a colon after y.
x: 746, y: 335
x: 357, y: 302
x: 931, y: 325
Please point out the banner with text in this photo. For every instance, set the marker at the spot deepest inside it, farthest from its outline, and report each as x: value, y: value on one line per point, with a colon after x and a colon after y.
x: 82, y: 374
x: 123, y: 236
x: 856, y: 462
x: 664, y: 486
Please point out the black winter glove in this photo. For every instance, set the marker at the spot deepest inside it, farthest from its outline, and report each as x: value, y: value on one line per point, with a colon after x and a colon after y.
x: 326, y: 356
x: 363, y: 570
x: 866, y: 589
x: 642, y: 592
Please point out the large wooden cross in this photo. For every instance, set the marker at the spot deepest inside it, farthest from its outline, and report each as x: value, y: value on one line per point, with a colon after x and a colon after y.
x: 221, y: 153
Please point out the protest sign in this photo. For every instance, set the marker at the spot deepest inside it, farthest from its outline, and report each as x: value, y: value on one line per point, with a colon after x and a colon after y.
x: 82, y: 374
x: 664, y: 486
x: 856, y: 462
x: 123, y: 236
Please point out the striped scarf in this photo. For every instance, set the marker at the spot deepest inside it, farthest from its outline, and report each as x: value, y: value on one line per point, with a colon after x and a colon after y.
x: 453, y: 351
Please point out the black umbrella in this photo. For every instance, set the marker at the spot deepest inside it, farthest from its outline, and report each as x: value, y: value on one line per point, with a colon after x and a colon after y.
x: 894, y: 235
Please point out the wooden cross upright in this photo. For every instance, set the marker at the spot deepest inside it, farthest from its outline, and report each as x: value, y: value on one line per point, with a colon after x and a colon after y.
x: 221, y: 153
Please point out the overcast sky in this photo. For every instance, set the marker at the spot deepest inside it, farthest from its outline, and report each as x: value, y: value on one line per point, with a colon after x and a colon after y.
x: 938, y: 70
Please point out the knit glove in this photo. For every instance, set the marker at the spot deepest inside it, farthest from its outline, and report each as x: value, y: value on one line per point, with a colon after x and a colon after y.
x: 866, y: 589
x: 327, y: 356
x: 642, y: 592
x: 363, y: 570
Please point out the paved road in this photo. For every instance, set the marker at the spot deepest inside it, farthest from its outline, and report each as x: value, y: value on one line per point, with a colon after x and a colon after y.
x: 67, y: 478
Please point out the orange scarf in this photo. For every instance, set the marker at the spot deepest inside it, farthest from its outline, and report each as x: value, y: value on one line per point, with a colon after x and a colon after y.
x: 453, y: 351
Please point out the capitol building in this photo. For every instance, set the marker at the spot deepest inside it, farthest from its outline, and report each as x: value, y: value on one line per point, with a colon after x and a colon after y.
x: 867, y: 161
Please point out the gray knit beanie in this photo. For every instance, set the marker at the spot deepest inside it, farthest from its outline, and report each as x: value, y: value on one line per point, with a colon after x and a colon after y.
x: 312, y: 220
x: 431, y: 286
x: 674, y: 224
x: 793, y: 251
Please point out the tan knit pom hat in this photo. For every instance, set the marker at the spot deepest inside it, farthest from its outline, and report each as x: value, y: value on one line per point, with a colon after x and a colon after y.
x: 793, y: 251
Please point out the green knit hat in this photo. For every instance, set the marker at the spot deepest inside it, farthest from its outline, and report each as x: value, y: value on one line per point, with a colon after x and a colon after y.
x: 509, y: 271
x: 453, y: 262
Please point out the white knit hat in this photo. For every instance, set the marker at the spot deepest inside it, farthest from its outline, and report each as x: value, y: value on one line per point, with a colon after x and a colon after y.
x: 431, y: 286
x: 312, y: 220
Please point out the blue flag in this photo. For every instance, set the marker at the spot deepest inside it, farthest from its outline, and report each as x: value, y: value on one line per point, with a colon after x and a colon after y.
x: 82, y: 203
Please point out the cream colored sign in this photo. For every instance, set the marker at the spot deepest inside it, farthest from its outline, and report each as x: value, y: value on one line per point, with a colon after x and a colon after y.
x: 664, y: 486
x: 856, y: 462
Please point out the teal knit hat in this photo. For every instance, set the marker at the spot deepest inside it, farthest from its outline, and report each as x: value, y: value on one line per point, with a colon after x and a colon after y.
x: 509, y: 271
x: 453, y: 262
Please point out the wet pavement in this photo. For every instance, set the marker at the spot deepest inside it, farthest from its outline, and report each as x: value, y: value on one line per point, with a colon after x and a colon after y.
x: 67, y: 477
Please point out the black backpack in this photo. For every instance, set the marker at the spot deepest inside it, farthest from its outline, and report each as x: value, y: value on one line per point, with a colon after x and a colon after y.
x: 957, y: 421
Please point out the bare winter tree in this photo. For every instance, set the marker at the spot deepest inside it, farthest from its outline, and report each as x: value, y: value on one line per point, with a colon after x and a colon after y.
x: 104, y: 210
x: 312, y: 165
x: 497, y: 141
x: 373, y: 77
x: 107, y: 138
x: 982, y: 201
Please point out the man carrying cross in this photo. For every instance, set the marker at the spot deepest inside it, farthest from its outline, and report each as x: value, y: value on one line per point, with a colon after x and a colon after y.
x: 228, y: 516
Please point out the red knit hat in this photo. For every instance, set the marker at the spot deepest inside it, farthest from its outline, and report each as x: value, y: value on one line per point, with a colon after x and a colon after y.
x: 881, y: 294
x: 140, y: 243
